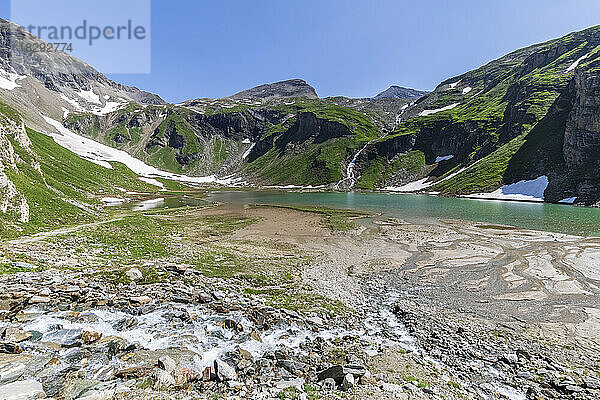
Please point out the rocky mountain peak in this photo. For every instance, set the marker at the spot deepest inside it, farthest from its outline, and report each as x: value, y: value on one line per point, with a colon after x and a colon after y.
x: 399, y: 92
x: 277, y: 90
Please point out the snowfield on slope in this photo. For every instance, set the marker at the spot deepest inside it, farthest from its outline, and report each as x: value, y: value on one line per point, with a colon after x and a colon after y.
x: 425, y: 113
x: 101, y: 154
x: 526, y: 190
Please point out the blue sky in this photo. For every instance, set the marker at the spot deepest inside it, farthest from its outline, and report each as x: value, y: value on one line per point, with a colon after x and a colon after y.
x: 341, y: 47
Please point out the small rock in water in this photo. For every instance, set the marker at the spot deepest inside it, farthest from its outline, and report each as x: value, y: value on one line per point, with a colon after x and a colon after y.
x: 348, y: 382
x: 224, y: 371
x: 10, y: 348
x: 90, y: 336
x: 22, y: 390
x: 134, y: 274
x: 256, y: 336
x: 11, y: 372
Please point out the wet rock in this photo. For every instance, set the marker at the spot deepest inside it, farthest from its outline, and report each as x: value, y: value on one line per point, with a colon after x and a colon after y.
x: 224, y: 372
x: 166, y: 363
x: 256, y: 336
x: 73, y: 388
x: 10, y: 348
x: 88, y: 335
x: 65, y: 337
x: 124, y: 324
x: 11, y: 372
x: 105, y: 373
x: 348, y: 382
x: 510, y: 358
x: 591, y: 383
x: 16, y: 335
x: 22, y: 390
x: 134, y: 274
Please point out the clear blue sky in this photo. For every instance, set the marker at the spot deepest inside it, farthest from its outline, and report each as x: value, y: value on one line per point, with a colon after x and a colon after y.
x: 341, y: 47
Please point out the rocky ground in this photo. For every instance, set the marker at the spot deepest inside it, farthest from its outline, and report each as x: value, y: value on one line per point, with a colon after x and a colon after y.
x: 436, y: 310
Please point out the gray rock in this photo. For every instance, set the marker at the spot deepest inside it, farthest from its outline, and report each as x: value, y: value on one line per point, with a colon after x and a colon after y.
x: 134, y: 274
x: 105, y: 373
x: 11, y: 372
x: 167, y: 364
x: 224, y: 371
x: 22, y: 390
x: 165, y: 379
x: 297, y: 383
x: 348, y: 382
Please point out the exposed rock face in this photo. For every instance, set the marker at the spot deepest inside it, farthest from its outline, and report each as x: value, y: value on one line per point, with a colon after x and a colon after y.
x: 582, y: 135
x: 399, y: 92
x: 289, y: 88
x: 11, y: 201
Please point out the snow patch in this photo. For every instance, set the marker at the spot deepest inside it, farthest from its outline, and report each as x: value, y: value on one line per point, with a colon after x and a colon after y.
x: 9, y: 80
x: 568, y: 200
x: 108, y: 108
x: 410, y: 187
x: 72, y: 102
x: 246, y: 141
x: 65, y: 112
x: 576, y: 63
x: 529, y: 190
x: 89, y: 96
x: 455, y: 84
x: 247, y: 152
x: 467, y: 90
x: 112, y: 201
x: 152, y: 181
x: 430, y: 112
x: 444, y: 158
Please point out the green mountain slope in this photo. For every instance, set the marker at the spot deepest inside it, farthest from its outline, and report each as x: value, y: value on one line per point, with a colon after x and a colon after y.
x: 43, y: 185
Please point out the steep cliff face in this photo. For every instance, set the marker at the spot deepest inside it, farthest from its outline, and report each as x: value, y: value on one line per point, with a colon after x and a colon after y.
x: 13, y: 205
x: 582, y: 135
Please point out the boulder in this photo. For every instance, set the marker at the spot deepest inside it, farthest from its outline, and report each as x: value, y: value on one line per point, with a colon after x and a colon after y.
x: 22, y: 390
x: 11, y: 372
x: 224, y: 371
x: 88, y: 335
x: 16, y: 335
x: 134, y: 274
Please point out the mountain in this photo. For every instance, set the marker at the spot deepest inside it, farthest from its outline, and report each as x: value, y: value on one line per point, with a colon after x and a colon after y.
x: 528, y: 115
x: 399, y: 92
x: 278, y: 90
x: 528, y: 118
